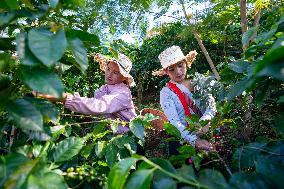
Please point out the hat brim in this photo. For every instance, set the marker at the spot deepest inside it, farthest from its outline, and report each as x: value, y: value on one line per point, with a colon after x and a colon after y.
x: 103, y: 61
x: 190, y: 57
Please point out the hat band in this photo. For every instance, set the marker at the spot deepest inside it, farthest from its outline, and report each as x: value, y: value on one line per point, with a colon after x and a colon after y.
x: 121, y: 65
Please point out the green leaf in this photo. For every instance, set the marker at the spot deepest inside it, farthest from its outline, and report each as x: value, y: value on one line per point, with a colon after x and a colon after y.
x: 53, y: 3
x: 111, y: 154
x: 240, y: 87
x: 245, y: 157
x: 13, y: 4
x: 212, y: 179
x: 172, y: 130
x: 49, y: 180
x: 247, y: 36
x: 66, y: 149
x: 141, y: 179
x: 42, y: 81
x: 93, y: 39
x: 275, y: 70
x: 186, y: 172
x: 25, y: 54
x: 6, y: 18
x: 164, y: 183
x: 18, y: 178
x: 5, y: 62
x: 25, y: 115
x: 274, y: 57
x: 8, y: 165
x: 136, y: 125
x: 100, y: 148
x: 79, y: 52
x: 46, y: 46
x: 239, y: 66
x: 119, y: 173
x: 4, y: 81
x: 272, y: 170
x: 166, y: 165
x: 248, y: 181
x: 47, y: 109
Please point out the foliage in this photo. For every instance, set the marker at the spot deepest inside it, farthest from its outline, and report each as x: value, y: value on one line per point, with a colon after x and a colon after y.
x: 45, y: 45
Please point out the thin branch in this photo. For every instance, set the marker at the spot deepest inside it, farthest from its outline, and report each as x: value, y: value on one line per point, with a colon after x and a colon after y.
x: 263, y: 150
x: 224, y: 163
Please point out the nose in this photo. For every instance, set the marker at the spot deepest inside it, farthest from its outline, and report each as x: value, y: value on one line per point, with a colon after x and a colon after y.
x: 178, y: 71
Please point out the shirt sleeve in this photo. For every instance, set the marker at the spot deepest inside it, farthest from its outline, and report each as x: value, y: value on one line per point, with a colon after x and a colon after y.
x: 106, y: 104
x: 210, y: 110
x: 170, y: 110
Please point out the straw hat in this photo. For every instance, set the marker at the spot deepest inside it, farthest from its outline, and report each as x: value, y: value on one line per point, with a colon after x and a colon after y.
x: 123, y: 62
x: 171, y: 56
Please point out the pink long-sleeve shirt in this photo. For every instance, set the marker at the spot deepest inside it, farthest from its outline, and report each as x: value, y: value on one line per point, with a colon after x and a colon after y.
x: 111, y: 101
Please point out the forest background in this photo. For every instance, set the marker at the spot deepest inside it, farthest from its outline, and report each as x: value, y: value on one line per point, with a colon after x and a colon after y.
x: 48, y: 46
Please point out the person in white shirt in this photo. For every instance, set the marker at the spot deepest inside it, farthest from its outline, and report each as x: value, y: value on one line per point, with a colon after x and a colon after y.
x: 176, y: 97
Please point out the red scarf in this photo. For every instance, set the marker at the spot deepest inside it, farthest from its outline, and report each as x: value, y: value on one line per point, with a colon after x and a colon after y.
x: 182, y: 97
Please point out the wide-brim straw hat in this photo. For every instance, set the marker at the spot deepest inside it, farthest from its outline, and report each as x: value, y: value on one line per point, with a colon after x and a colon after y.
x: 173, y: 55
x: 123, y: 62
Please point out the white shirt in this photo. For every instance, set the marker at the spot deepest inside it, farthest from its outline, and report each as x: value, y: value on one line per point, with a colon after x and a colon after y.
x: 175, y: 112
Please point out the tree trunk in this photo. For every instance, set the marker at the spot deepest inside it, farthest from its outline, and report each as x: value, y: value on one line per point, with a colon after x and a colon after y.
x: 243, y: 13
x: 256, y: 24
x: 200, y: 43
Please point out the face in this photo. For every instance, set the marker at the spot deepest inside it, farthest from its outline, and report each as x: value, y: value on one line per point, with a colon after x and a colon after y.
x: 177, y: 72
x: 112, y: 74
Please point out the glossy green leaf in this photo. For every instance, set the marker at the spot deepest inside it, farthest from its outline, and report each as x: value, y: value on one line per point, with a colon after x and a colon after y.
x: 239, y: 66
x: 271, y: 169
x: 5, y: 62
x: 212, y: 179
x: 25, y: 115
x: 6, y: 18
x: 49, y: 180
x: 247, y: 36
x: 186, y: 172
x: 136, y: 125
x: 79, y: 52
x: 13, y: 4
x: 42, y: 80
x: 53, y: 3
x: 100, y: 148
x: 18, y: 178
x: 239, y: 87
x: 140, y: 179
x: 165, y: 183
x: 84, y: 36
x: 4, y: 81
x: 172, y: 130
x: 66, y: 149
x: 111, y: 154
x: 119, y: 173
x: 164, y: 164
x: 8, y: 164
x: 274, y: 57
x: 46, y: 46
x: 245, y: 157
x: 25, y: 54
x: 242, y: 180
x: 47, y: 109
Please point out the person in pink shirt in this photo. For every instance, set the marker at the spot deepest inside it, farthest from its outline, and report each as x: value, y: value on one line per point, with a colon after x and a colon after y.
x: 112, y: 100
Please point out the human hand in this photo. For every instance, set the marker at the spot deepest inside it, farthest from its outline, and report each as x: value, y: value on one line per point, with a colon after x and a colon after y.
x: 202, y: 144
x: 50, y: 97
x: 203, y: 130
